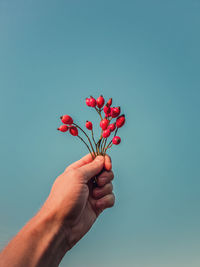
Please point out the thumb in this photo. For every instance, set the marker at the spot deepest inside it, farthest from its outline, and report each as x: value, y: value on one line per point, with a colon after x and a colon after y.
x: 93, y: 168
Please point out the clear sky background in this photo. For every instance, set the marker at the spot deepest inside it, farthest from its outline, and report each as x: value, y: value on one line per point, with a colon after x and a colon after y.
x: 144, y: 54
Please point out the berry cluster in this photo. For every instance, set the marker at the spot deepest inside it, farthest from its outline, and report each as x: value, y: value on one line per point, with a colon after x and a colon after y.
x: 110, y: 113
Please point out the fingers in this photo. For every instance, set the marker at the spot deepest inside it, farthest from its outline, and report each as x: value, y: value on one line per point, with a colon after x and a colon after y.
x: 108, y: 163
x: 105, y: 202
x: 93, y: 168
x: 104, y: 178
x: 100, y: 192
x: 87, y: 159
x: 81, y: 162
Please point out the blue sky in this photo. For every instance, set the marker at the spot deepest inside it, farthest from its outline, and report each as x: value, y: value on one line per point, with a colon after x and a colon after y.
x: 144, y: 54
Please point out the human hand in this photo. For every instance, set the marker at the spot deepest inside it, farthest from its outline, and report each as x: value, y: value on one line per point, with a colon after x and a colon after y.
x: 74, y: 201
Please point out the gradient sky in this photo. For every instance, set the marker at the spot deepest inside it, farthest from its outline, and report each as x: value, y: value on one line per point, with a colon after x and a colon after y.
x: 144, y: 54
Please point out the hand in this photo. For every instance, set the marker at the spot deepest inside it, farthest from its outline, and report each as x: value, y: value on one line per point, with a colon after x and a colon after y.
x: 68, y: 213
x: 74, y: 200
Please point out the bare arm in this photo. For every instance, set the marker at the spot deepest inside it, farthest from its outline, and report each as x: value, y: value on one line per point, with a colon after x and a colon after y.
x: 66, y: 216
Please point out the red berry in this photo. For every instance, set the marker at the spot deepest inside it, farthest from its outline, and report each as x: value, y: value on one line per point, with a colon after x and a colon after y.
x: 109, y: 114
x: 116, y: 140
x: 100, y: 101
x: 87, y: 101
x: 92, y: 102
x: 104, y: 124
x: 109, y: 103
x: 73, y: 131
x: 115, y: 111
x: 106, y: 133
x: 88, y: 125
x: 106, y: 109
x: 66, y: 119
x: 120, y: 121
x: 63, y: 128
x: 112, y: 127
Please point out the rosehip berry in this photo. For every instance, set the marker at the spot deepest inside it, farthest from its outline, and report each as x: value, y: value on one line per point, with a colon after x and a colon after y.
x: 104, y: 124
x: 100, y: 101
x: 116, y: 140
x: 92, y: 102
x: 88, y: 125
x: 112, y: 127
x: 115, y: 111
x: 66, y: 119
x: 106, y: 133
x: 63, y: 128
x: 120, y: 121
x: 109, y: 114
x: 106, y: 109
x: 109, y: 103
x: 87, y: 101
x: 73, y: 131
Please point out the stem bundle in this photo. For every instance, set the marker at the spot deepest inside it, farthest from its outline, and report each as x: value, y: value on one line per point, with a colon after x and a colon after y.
x: 99, y: 147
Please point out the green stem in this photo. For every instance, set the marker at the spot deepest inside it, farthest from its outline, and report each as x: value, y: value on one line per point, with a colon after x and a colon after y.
x: 86, y: 136
x: 94, y: 140
x: 98, y: 144
x: 86, y: 145
x: 99, y: 112
x: 108, y: 146
x: 104, y: 146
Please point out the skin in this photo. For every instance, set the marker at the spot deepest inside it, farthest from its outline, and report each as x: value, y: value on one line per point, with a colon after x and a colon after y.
x: 68, y: 213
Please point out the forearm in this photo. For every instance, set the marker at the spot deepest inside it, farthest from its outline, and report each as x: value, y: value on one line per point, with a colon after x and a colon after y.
x: 41, y: 242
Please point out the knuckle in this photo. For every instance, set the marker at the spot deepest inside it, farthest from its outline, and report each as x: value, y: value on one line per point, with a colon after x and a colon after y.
x: 102, y: 181
x: 67, y: 169
x: 105, y: 178
x: 95, y: 192
x: 112, y: 202
x: 72, y: 172
x: 111, y: 175
x: 103, y: 174
x: 109, y: 187
x: 76, y: 173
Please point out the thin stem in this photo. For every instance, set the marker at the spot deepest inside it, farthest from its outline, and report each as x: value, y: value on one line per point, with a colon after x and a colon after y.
x: 99, y: 112
x: 99, y: 142
x: 108, y: 146
x: 116, y: 132
x: 94, y: 139
x: 100, y: 145
x: 86, y: 136
x: 97, y: 150
x: 86, y: 145
x: 104, y: 146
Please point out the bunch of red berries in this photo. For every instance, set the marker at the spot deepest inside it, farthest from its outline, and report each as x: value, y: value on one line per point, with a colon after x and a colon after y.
x: 107, y: 128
